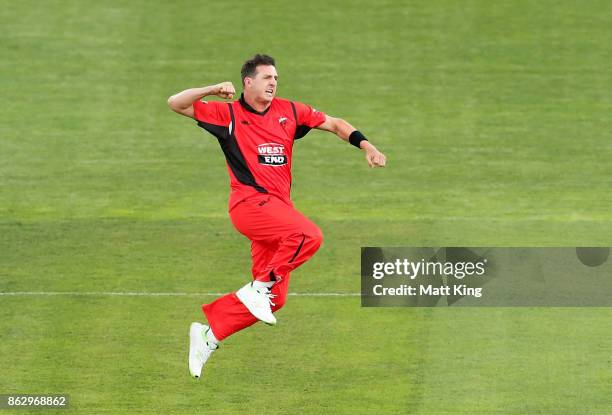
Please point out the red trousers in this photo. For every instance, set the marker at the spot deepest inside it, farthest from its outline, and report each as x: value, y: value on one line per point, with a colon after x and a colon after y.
x: 282, y: 239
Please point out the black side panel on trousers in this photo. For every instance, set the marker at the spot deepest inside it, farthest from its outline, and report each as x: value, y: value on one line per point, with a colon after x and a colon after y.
x: 233, y: 155
x: 300, y: 130
x: 299, y: 248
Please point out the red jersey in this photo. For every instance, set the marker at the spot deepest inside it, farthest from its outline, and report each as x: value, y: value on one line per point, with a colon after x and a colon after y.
x: 257, y: 145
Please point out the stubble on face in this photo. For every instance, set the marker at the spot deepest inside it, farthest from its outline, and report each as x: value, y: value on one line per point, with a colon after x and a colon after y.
x: 264, y: 83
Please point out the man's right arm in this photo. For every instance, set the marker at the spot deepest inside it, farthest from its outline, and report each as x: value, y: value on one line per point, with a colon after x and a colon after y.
x: 182, y: 102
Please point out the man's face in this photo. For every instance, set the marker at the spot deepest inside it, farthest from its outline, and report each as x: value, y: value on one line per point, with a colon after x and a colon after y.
x: 262, y: 86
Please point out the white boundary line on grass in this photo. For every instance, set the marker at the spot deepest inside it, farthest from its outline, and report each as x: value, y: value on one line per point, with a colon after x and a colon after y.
x: 149, y: 294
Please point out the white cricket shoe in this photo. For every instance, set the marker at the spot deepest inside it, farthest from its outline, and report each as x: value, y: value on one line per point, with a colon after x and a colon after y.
x: 258, y: 301
x: 199, y: 349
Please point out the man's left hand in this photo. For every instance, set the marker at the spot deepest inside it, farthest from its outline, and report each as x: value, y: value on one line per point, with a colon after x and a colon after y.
x: 374, y: 157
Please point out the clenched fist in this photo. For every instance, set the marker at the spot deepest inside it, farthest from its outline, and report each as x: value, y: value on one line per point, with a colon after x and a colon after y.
x: 224, y: 90
x: 374, y: 157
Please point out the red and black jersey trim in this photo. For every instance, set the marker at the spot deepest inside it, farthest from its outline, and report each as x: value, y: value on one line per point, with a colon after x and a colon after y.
x: 300, y: 130
x: 247, y: 107
x: 231, y: 150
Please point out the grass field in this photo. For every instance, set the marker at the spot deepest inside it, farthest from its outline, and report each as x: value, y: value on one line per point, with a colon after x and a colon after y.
x: 496, y: 123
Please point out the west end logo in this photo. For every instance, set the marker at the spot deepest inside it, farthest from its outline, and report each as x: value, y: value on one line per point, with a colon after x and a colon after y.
x: 271, y: 154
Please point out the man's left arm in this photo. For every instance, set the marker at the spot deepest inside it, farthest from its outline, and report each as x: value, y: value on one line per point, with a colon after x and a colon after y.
x: 347, y: 132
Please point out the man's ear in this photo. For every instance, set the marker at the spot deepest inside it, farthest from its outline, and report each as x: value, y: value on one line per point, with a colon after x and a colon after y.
x: 247, y: 81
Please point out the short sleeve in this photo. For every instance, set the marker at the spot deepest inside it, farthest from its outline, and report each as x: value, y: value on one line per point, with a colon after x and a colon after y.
x: 308, y: 116
x: 211, y: 112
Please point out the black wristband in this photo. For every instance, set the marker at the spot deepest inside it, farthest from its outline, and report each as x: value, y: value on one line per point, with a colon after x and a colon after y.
x: 356, y: 138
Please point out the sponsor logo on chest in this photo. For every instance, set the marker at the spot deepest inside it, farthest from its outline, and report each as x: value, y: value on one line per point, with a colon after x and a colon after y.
x: 271, y: 154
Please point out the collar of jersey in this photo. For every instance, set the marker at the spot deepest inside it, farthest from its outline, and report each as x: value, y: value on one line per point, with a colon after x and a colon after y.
x: 251, y: 109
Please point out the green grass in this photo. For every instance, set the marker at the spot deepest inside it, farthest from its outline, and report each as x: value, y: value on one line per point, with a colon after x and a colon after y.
x: 495, y: 120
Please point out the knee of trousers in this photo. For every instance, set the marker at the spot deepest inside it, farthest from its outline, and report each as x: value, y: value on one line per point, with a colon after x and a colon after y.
x: 310, y: 237
x: 314, y: 237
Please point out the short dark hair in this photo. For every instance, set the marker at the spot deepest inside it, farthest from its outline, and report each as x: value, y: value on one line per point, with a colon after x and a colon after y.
x: 250, y: 66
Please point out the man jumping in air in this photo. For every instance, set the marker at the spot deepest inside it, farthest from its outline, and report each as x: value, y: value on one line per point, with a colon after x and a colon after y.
x: 256, y: 134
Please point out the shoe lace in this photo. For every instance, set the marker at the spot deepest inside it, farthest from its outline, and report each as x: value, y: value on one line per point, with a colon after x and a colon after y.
x: 269, y: 296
